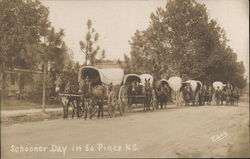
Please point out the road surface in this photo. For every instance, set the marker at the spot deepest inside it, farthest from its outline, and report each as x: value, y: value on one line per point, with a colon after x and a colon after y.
x: 204, y: 131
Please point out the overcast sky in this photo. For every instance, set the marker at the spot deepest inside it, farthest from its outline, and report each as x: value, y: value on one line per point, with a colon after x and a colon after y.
x: 117, y: 20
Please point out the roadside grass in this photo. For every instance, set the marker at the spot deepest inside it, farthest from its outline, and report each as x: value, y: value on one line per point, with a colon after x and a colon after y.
x: 16, y: 104
x: 30, y: 117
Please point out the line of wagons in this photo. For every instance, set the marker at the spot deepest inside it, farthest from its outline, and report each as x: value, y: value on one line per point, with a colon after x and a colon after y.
x: 111, y: 88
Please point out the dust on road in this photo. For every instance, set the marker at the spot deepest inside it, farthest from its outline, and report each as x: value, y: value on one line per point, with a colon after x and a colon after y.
x: 205, y: 131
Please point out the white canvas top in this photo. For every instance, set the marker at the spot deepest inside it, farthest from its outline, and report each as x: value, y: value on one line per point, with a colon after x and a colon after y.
x: 218, y: 84
x: 175, y: 83
x: 107, y: 75
x: 130, y: 75
x: 193, y: 84
x: 161, y: 80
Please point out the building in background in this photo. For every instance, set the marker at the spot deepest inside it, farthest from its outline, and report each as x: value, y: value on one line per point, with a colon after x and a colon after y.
x: 18, y: 82
x: 108, y: 64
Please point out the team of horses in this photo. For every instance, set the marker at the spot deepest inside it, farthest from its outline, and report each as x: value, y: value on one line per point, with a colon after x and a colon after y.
x: 90, y: 96
x: 155, y: 96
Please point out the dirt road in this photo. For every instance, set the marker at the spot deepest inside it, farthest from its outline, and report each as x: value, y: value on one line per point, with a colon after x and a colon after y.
x: 205, y: 131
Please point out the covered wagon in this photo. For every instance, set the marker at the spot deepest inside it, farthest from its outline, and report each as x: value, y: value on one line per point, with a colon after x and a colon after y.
x: 102, y: 83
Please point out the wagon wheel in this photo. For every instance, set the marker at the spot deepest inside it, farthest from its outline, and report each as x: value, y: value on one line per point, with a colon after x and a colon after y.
x: 123, y: 100
x: 112, y: 102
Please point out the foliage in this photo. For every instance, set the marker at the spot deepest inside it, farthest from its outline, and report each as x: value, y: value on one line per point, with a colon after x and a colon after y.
x: 28, y: 41
x: 88, y: 46
x: 182, y: 40
x: 21, y: 25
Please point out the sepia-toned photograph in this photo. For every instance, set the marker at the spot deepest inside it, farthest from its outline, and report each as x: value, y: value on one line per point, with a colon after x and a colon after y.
x: 124, y: 79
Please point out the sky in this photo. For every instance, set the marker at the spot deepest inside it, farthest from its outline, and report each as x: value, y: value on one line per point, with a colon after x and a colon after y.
x: 117, y: 20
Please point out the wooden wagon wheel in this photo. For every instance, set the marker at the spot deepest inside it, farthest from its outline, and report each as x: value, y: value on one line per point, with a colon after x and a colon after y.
x: 123, y: 99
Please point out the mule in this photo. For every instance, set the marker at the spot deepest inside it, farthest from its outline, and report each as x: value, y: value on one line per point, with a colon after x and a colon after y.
x: 188, y: 95
x: 131, y: 92
x: 147, y: 91
x: 162, y: 96
x: 66, y: 101
x: 208, y: 95
x: 235, y: 97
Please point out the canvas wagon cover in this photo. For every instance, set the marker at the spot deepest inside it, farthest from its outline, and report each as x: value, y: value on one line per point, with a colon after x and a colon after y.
x: 131, y: 76
x: 193, y: 84
x: 161, y: 81
x: 175, y: 83
x: 218, y: 84
x: 107, y: 75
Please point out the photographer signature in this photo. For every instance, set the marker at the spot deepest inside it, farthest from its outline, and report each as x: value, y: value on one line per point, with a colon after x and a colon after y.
x: 219, y: 137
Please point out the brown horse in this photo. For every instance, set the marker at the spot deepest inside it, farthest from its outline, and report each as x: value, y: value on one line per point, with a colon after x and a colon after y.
x: 97, y: 94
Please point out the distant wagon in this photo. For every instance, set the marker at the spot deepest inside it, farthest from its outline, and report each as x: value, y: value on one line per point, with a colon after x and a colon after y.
x: 133, y: 90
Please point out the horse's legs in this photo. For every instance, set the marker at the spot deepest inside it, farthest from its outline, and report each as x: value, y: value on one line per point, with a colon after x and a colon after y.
x: 149, y: 103
x: 144, y: 103
x: 63, y: 105
x: 157, y: 103
x: 86, y: 106
x: 64, y: 111
x: 91, y: 109
x: 165, y: 102
x: 67, y: 110
x: 101, y: 108
x: 78, y: 107
x: 74, y: 107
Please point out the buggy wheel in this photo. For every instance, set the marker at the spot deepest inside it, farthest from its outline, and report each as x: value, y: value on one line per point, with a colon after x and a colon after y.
x: 123, y: 100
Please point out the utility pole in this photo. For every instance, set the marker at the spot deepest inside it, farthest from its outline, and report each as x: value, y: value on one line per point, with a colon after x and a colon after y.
x: 44, y: 77
x: 44, y: 85
x: 1, y: 84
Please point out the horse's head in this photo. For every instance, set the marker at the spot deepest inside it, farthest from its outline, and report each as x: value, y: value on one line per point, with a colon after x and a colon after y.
x: 58, y: 84
x: 147, y: 84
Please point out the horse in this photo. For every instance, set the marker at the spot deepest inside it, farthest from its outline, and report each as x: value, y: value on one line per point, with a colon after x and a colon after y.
x: 96, y: 96
x: 131, y: 91
x: 188, y: 94
x: 148, y: 95
x: 208, y: 95
x: 199, y: 98
x: 65, y: 87
x: 219, y: 96
x: 235, y: 97
x: 162, y: 96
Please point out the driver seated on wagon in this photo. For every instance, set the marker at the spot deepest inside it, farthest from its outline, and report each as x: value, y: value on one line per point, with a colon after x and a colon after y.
x: 138, y: 88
